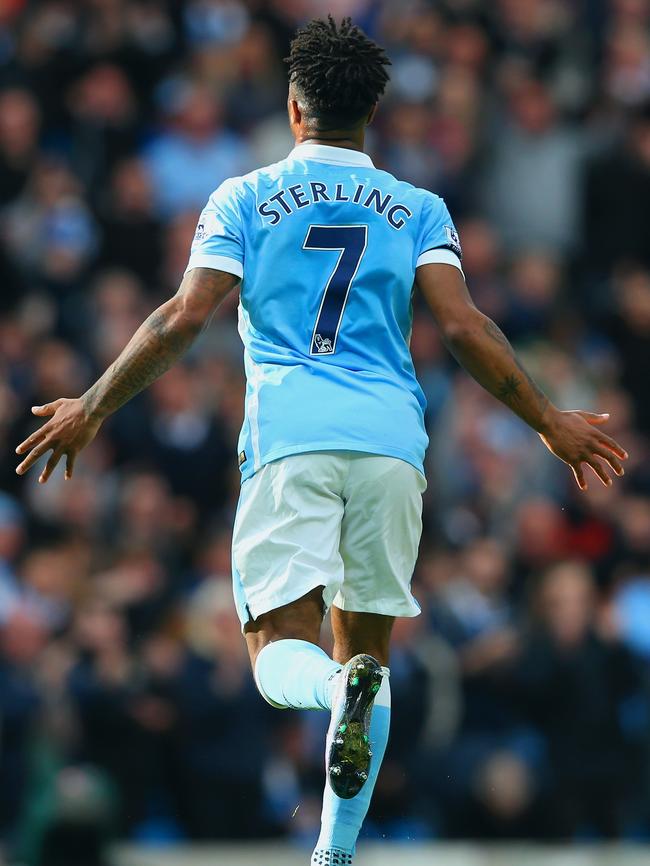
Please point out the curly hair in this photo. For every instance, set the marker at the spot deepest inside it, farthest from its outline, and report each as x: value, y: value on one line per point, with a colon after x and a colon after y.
x: 338, y: 71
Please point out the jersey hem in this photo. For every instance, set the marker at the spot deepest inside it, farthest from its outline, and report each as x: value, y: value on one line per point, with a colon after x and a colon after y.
x: 368, y: 448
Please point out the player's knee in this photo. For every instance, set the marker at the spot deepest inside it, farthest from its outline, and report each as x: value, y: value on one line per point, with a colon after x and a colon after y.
x: 270, y: 629
x: 299, y: 620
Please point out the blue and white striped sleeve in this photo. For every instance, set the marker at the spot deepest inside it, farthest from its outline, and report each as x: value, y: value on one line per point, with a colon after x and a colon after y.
x: 219, y: 239
x: 439, y: 242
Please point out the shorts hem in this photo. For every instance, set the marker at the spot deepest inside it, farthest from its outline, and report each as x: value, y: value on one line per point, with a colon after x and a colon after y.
x: 382, y: 609
x: 265, y: 604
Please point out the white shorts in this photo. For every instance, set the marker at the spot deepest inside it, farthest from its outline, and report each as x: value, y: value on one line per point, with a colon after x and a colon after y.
x: 348, y: 521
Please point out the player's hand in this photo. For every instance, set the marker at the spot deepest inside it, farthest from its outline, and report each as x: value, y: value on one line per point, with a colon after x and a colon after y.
x: 576, y: 438
x: 66, y: 433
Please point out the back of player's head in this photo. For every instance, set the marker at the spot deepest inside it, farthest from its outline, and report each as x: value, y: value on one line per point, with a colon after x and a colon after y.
x: 338, y: 72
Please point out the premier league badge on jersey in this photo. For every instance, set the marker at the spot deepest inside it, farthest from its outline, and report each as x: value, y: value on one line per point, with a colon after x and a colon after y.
x: 199, y: 235
x: 453, y: 240
x: 323, y: 345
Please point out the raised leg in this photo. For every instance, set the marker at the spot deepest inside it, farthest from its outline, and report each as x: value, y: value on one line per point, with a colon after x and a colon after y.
x: 291, y: 670
x: 300, y: 620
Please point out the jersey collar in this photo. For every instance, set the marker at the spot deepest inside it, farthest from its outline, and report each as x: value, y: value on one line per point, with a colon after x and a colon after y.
x: 328, y: 153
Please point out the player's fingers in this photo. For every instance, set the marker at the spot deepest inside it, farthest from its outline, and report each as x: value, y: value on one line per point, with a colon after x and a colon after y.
x: 612, y: 445
x: 36, y: 437
x: 50, y: 465
x: 611, y: 460
x: 579, y: 476
x: 598, y: 469
x: 594, y: 418
x: 69, y: 464
x: 46, y: 408
x: 33, y: 456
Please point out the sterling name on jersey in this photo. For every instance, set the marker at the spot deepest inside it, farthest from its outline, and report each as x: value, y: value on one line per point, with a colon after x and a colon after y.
x: 326, y: 247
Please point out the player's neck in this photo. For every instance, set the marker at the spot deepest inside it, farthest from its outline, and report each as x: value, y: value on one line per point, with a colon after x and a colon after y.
x: 343, y: 139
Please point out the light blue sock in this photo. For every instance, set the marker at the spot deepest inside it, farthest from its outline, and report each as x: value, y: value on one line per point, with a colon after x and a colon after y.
x: 341, y: 820
x: 297, y: 674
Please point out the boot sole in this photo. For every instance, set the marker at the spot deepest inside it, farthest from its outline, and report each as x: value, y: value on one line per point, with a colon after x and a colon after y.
x: 350, y: 751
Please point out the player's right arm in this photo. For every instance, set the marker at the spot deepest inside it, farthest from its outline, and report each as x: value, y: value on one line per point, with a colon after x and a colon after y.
x: 480, y: 346
x: 157, y: 344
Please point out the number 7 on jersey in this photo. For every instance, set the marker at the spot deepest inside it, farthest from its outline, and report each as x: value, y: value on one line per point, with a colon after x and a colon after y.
x: 351, y: 243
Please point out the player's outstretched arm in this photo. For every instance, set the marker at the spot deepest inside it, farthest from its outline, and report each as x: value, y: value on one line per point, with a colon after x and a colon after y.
x: 157, y: 344
x: 483, y: 350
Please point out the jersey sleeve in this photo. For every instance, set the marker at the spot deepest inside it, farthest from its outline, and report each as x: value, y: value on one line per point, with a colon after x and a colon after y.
x: 439, y: 242
x: 219, y: 239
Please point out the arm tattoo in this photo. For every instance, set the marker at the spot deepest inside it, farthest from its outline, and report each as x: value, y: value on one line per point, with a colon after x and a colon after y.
x: 515, y: 387
x: 541, y: 396
x: 155, y: 346
x: 508, y: 389
x: 159, y: 342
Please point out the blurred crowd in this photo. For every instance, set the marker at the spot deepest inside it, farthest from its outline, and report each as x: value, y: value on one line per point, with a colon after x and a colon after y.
x: 522, y: 693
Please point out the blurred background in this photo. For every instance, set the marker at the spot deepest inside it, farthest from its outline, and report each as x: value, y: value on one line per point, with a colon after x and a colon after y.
x: 522, y: 693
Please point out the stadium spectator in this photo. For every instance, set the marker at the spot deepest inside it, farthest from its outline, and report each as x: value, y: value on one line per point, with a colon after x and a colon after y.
x: 195, y: 153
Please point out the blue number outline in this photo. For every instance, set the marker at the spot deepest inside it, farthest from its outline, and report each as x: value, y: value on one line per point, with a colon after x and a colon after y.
x: 342, y: 249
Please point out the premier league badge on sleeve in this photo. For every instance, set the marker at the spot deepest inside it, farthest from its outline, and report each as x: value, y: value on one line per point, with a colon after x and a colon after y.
x: 453, y: 240
x: 205, y: 226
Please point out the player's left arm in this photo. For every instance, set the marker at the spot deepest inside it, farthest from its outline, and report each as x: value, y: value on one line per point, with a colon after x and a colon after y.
x: 480, y: 346
x: 157, y: 344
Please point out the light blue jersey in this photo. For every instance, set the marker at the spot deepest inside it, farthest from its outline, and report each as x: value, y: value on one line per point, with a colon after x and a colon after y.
x: 326, y: 246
